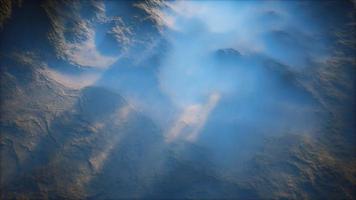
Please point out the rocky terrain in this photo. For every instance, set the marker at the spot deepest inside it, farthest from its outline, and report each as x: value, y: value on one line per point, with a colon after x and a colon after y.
x: 97, y: 102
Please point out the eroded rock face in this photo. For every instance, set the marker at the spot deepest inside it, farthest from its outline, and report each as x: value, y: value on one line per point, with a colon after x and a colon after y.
x: 160, y: 99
